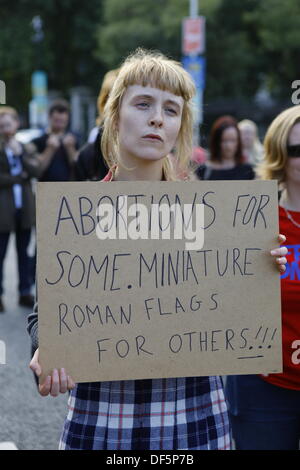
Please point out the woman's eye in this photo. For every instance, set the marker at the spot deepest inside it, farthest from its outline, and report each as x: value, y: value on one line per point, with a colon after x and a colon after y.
x: 143, y: 105
x: 171, y: 111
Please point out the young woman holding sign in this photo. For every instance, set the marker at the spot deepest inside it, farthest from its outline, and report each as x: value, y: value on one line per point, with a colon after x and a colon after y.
x: 265, y: 410
x: 147, y: 115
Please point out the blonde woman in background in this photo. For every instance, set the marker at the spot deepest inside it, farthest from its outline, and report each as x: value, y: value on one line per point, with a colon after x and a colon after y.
x: 107, y: 84
x: 252, y: 148
x: 90, y: 164
x: 265, y: 410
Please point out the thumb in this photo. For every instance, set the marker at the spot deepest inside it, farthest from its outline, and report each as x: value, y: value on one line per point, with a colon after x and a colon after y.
x: 34, y: 364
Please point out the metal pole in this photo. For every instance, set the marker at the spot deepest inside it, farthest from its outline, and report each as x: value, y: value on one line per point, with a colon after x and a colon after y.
x: 193, y: 8
x: 196, y: 130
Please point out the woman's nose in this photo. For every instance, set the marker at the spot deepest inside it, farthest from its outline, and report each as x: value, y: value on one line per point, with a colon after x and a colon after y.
x: 156, y: 119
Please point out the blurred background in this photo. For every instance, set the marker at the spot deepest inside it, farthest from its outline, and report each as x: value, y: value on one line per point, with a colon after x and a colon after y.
x: 251, y: 49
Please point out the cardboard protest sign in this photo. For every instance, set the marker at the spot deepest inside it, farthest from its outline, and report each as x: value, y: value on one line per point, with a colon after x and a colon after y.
x: 127, y: 295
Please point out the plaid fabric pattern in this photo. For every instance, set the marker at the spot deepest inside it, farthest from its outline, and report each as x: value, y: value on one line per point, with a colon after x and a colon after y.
x: 154, y: 414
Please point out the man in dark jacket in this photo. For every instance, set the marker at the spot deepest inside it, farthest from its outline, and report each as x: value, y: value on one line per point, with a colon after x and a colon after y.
x: 17, y: 207
x: 58, y: 148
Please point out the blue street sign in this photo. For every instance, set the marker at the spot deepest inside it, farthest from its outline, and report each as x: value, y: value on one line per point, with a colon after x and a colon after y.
x: 39, y: 84
x: 196, y: 67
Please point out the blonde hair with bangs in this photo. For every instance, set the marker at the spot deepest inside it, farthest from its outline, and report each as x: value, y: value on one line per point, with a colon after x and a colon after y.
x: 147, y: 68
x: 107, y: 84
x: 275, y: 145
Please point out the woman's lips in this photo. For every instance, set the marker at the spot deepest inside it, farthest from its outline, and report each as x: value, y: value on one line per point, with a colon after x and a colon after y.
x: 153, y: 137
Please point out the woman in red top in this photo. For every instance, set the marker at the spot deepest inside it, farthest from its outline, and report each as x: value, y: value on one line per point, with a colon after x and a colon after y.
x: 265, y: 410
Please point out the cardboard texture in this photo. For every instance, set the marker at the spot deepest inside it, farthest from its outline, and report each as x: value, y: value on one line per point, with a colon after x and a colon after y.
x: 136, y: 309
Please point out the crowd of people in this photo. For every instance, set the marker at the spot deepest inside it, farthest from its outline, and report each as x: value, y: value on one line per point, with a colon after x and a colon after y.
x: 154, y: 93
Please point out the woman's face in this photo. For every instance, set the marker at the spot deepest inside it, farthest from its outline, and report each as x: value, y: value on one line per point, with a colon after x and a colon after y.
x: 293, y: 163
x: 149, y: 123
x: 8, y: 125
x: 58, y: 121
x: 229, y: 143
x: 247, y: 137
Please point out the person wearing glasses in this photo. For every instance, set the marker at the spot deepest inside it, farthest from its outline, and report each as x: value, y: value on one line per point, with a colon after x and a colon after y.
x: 265, y: 410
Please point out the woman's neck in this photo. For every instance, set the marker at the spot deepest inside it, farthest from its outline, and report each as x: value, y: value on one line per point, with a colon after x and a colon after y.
x: 290, y: 198
x: 143, y: 171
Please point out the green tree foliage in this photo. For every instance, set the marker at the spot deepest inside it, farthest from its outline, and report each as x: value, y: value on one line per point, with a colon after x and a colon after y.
x: 66, y: 52
x: 233, y: 67
x: 277, y: 24
x: 157, y: 25
x: 133, y: 23
x: 249, y: 43
x: 15, y: 55
x: 70, y: 27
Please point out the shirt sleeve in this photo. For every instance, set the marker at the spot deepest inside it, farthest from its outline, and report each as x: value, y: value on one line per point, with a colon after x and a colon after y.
x: 32, y: 327
x: 7, y: 180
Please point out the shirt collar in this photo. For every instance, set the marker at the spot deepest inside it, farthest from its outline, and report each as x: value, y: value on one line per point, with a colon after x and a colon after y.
x: 111, y: 173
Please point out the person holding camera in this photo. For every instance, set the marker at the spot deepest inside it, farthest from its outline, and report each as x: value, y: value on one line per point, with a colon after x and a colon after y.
x: 57, y: 148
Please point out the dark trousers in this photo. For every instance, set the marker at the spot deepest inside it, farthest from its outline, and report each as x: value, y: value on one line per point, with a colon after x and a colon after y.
x: 263, y: 416
x: 22, y: 242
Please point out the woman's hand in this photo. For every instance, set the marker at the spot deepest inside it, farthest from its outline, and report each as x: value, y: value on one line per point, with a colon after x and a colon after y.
x: 58, y: 382
x: 280, y: 253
